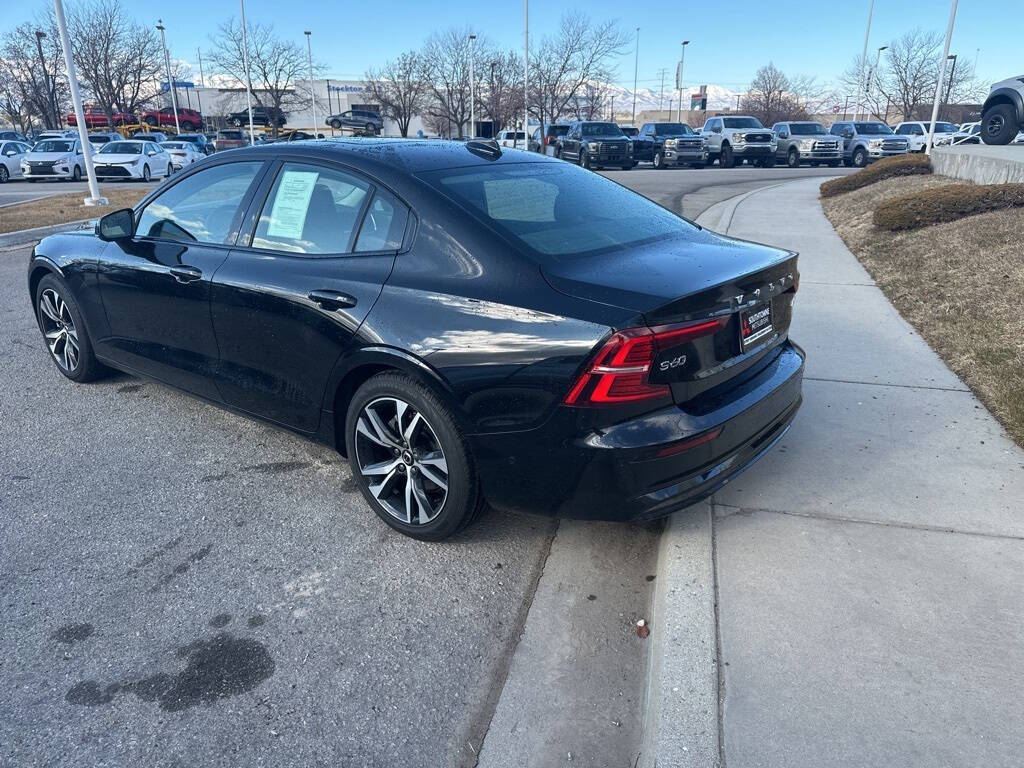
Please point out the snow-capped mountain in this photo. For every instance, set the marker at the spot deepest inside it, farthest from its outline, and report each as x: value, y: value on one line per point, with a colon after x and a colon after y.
x: 719, y: 97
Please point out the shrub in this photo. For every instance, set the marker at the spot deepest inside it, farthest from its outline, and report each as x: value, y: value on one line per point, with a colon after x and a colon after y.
x: 886, y: 168
x: 947, y: 203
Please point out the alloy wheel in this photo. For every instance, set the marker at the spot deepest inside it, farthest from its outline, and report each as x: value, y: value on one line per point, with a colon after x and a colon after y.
x: 4, y: 174
x: 59, y: 329
x: 401, y: 459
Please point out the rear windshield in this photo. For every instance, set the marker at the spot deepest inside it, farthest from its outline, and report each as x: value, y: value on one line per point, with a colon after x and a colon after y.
x: 558, y: 130
x: 601, y: 129
x: 878, y: 129
x: 172, y: 144
x: 741, y: 122
x: 230, y: 135
x: 557, y: 210
x: 807, y: 129
x: 53, y: 145
x: 122, y: 148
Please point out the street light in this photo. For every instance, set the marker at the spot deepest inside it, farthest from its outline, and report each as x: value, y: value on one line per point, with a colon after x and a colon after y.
x: 679, y: 85
x: 949, y: 88
x: 46, y: 78
x: 863, y: 57
x: 472, y: 92
x: 312, y: 95
x: 942, y: 76
x: 636, y: 61
x: 170, y: 80
x: 76, y: 100
x: 873, y: 74
x: 248, y: 79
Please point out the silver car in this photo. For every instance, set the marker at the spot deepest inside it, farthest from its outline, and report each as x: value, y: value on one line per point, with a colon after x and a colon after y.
x: 54, y: 159
x: 806, y: 142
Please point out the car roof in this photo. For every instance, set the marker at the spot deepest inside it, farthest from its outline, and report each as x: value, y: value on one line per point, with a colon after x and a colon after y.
x: 408, y: 155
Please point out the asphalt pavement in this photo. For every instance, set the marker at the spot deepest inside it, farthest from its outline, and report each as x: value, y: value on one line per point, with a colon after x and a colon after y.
x: 184, y: 586
x: 21, y: 191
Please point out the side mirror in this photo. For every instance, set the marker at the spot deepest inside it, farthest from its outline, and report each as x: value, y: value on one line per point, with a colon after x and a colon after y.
x: 119, y: 225
x: 783, y: 135
x: 716, y: 129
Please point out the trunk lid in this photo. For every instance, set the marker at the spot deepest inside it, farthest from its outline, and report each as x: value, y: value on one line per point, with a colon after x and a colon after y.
x: 748, y: 287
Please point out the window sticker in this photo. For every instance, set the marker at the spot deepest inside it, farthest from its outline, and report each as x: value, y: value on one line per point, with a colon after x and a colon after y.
x: 288, y: 216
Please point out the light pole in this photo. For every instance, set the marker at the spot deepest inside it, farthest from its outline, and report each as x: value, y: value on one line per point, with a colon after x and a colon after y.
x: 636, y: 62
x: 472, y: 90
x: 170, y: 80
x: 248, y: 79
x: 873, y: 74
x: 949, y: 88
x: 76, y: 99
x: 863, y: 57
x: 679, y: 84
x: 938, y: 83
x: 526, y: 75
x: 312, y: 94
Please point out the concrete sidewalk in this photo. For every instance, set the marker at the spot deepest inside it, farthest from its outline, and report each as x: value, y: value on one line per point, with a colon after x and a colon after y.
x: 856, y: 598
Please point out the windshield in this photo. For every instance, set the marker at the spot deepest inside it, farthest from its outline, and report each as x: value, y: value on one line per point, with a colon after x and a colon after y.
x: 741, y: 122
x: 945, y: 128
x: 53, y: 145
x: 875, y: 129
x: 122, y: 148
x: 807, y: 129
x: 556, y: 209
x: 673, y: 129
x: 600, y: 129
x: 631, y: 131
x: 173, y: 144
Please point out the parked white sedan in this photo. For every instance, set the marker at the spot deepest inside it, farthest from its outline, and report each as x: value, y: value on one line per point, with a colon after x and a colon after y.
x: 140, y: 160
x: 11, y: 154
x: 182, y: 153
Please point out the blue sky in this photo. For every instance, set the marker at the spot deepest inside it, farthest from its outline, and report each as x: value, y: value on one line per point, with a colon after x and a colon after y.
x: 729, y: 39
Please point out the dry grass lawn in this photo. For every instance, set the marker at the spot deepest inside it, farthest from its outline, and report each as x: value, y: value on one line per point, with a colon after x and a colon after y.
x: 61, y: 209
x: 959, y: 284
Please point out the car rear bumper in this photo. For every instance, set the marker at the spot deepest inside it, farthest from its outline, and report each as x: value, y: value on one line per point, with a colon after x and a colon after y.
x: 639, y: 469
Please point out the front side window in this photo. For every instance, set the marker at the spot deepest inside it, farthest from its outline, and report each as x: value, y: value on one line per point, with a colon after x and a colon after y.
x: 383, y: 227
x: 202, y: 208
x: 312, y: 210
x: 807, y: 129
x: 557, y: 210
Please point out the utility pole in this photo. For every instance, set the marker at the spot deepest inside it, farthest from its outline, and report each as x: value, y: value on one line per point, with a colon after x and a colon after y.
x: 170, y: 80
x: 636, y: 64
x: 202, y: 77
x: 661, y: 93
x: 248, y: 79
x: 312, y: 93
x: 526, y: 74
x: 679, y: 83
x: 50, y: 89
x: 863, y: 59
x: 330, y: 108
x: 942, y: 76
x: 76, y: 100
x: 472, y: 89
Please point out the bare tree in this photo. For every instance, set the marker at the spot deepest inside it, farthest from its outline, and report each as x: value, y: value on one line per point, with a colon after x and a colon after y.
x: 770, y: 97
x: 445, y: 69
x: 119, y: 60
x: 501, y: 95
x: 399, y: 88
x: 581, y: 52
x: 591, y: 102
x: 33, y: 68
x: 275, y: 65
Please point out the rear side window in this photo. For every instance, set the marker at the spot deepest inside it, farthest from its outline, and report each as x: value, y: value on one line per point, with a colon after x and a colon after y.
x: 311, y: 209
x: 203, y: 208
x: 383, y: 227
x: 557, y: 210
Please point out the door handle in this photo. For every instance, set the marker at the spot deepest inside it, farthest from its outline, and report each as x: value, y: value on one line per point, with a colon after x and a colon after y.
x: 332, y: 300
x: 186, y: 274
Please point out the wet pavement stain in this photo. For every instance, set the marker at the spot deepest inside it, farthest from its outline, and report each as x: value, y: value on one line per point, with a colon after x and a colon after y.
x: 72, y: 633
x: 216, y: 667
x: 181, y: 568
x: 277, y: 467
x: 130, y: 388
x: 220, y: 620
x: 256, y: 621
x: 152, y: 556
x: 213, y: 478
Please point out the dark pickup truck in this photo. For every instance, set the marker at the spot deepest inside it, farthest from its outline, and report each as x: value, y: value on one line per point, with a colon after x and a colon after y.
x: 670, y: 144
x: 594, y: 144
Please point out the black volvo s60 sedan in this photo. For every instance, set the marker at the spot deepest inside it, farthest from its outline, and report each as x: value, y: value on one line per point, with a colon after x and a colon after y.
x: 464, y: 323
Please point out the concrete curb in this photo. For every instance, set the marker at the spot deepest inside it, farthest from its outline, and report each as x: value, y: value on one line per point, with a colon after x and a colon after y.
x: 25, y: 236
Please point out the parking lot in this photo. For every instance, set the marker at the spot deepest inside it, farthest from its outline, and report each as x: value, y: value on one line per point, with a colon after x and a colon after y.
x: 160, y: 553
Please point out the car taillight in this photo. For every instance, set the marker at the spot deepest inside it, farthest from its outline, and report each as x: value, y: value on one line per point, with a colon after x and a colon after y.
x: 620, y: 370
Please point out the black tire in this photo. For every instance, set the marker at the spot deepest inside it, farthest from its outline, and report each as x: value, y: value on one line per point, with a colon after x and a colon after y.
x: 336, y: 125
x: 76, y: 174
x: 5, y: 175
x: 659, y: 161
x: 834, y: 163
x: 727, y: 159
x: 769, y: 162
x: 999, y: 124
x: 87, y: 367
x: 793, y: 158
x: 146, y: 173
x: 847, y: 163
x: 696, y: 166
x: 371, y: 129
x: 584, y: 159
x: 463, y: 501
x: 860, y: 157
x: 627, y: 167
